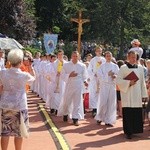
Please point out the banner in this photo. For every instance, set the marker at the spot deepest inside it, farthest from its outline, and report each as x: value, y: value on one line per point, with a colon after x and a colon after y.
x: 50, y: 42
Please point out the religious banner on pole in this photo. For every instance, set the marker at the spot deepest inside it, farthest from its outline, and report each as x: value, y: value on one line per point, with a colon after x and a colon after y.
x: 50, y: 42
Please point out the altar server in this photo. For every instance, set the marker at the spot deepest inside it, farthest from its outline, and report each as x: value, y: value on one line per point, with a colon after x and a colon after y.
x: 94, y: 85
x: 106, y: 109
x: 75, y: 75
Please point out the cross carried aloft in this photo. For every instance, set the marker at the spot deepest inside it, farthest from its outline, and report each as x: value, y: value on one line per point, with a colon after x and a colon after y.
x: 80, y: 21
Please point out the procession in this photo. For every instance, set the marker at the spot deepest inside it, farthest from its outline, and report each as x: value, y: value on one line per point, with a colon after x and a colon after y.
x: 74, y: 92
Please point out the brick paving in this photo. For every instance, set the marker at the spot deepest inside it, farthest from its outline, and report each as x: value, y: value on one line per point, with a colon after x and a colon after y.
x: 39, y: 138
x: 90, y: 136
x: 87, y: 136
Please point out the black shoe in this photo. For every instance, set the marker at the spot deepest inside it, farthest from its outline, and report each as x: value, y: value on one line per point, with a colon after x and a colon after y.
x: 75, y: 122
x: 94, y: 112
x: 65, y: 118
x: 99, y: 122
x: 52, y: 111
x: 56, y: 112
x: 128, y: 136
x: 108, y: 124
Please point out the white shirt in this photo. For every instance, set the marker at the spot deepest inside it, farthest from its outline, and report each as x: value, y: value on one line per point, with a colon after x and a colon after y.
x: 138, y: 50
x: 131, y: 96
x: 14, y: 92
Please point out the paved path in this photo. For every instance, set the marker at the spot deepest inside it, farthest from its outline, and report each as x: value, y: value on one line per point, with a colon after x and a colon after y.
x: 87, y: 136
x: 40, y: 138
x: 90, y: 136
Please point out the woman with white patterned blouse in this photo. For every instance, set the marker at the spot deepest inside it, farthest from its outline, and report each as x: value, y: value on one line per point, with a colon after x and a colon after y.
x: 13, y: 101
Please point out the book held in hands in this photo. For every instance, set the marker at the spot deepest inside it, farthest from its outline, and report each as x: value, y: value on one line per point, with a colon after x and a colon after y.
x: 131, y: 76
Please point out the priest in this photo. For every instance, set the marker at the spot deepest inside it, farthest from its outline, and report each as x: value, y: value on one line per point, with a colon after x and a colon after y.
x: 132, y: 93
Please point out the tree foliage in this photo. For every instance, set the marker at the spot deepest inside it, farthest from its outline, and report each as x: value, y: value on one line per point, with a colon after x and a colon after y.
x: 115, y: 22
x: 17, y: 18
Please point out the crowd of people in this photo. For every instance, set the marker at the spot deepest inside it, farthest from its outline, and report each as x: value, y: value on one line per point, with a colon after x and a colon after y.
x: 101, y: 84
x: 98, y: 82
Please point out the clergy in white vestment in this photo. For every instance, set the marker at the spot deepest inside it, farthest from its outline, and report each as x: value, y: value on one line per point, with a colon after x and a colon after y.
x: 59, y: 84
x: 75, y: 75
x: 132, y: 93
x: 106, y: 108
x: 94, y: 85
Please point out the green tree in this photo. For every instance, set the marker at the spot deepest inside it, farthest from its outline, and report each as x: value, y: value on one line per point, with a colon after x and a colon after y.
x: 118, y: 22
x: 17, y: 18
x: 113, y: 22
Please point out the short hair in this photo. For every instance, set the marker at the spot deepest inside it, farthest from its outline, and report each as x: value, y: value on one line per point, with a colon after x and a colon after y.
x: 60, y: 51
x: 15, y: 57
x: 75, y: 52
x: 107, y: 52
x: 37, y: 53
x: 65, y: 56
x: 132, y: 52
x: 53, y: 55
x: 120, y: 63
x: 89, y: 55
x: 98, y: 47
x: 135, y: 42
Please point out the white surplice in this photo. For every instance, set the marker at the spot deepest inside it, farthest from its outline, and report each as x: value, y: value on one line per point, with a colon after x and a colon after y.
x: 72, y: 101
x: 106, y: 108
x: 131, y: 96
x: 93, y: 85
x: 61, y: 86
x: 50, y: 76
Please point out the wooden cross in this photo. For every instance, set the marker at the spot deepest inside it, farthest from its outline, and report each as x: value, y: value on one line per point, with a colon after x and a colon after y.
x: 80, y: 21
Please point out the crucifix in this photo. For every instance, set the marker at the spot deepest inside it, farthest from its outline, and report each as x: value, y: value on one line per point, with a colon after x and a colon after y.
x: 80, y: 21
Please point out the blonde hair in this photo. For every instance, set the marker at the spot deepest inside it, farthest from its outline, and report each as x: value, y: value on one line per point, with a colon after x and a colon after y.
x: 15, y: 57
x: 99, y: 47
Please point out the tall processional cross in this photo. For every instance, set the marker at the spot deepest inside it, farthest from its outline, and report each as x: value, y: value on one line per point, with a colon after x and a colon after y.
x: 80, y: 22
